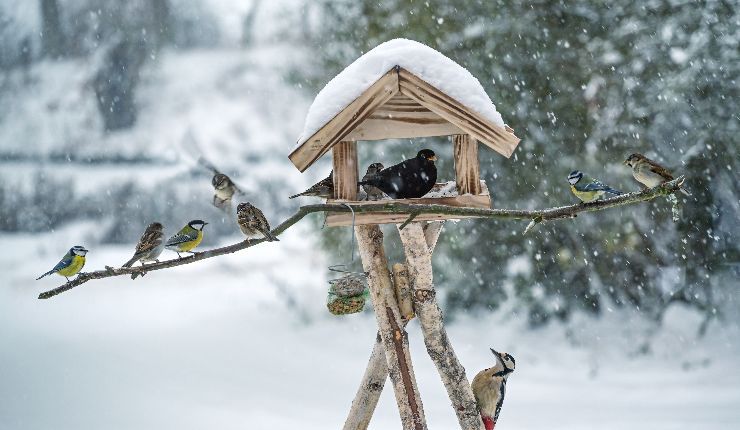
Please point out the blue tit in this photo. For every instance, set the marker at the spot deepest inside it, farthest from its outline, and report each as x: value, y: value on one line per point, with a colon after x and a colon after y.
x: 150, y: 245
x: 188, y: 238
x: 71, y: 264
x: 588, y: 189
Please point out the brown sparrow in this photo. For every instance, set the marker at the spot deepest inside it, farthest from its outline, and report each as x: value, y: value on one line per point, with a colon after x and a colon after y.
x: 373, y: 193
x: 648, y: 172
x: 252, y: 222
x: 324, y: 188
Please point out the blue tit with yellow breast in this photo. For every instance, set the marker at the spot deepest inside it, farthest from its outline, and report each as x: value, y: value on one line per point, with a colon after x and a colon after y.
x: 71, y: 264
x: 188, y: 238
x: 588, y: 189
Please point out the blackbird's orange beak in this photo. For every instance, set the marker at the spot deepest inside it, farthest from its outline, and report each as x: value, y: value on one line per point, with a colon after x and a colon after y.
x: 433, y: 158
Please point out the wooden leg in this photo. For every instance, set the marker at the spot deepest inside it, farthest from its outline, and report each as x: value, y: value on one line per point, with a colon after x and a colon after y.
x: 393, y: 336
x: 368, y: 394
x: 419, y: 266
x: 373, y: 381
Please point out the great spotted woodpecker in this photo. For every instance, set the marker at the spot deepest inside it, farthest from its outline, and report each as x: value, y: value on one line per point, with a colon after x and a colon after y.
x: 489, y: 387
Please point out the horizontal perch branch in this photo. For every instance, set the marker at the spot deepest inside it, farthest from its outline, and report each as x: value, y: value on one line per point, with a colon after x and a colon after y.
x: 537, y: 216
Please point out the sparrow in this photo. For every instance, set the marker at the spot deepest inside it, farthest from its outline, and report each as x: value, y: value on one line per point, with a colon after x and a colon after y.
x: 252, y: 222
x: 648, y: 172
x: 71, y: 264
x: 223, y: 187
x: 588, y: 189
x: 410, y: 178
x: 489, y: 388
x: 150, y: 245
x: 372, y: 193
x: 324, y: 188
x: 187, y: 238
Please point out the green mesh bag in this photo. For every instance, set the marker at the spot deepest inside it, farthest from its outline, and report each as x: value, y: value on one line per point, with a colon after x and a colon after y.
x: 347, y: 294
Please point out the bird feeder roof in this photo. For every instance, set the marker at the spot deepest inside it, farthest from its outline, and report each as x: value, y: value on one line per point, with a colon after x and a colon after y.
x: 400, y: 89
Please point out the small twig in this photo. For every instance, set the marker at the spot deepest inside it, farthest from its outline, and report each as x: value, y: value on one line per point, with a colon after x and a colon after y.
x: 532, y: 224
x: 408, y: 220
x: 390, y: 207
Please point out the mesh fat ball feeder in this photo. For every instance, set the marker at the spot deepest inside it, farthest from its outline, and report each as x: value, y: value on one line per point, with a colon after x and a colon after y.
x: 403, y: 89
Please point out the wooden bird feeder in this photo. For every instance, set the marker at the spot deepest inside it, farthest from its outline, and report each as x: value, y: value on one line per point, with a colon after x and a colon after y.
x: 403, y: 105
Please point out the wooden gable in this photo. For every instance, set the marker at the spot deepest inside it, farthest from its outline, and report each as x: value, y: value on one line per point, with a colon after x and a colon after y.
x: 402, y: 105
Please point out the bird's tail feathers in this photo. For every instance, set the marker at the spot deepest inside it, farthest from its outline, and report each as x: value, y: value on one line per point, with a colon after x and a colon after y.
x: 131, y: 261
x: 488, y: 422
x: 46, y: 274
x: 613, y: 191
x: 297, y: 195
x: 271, y: 237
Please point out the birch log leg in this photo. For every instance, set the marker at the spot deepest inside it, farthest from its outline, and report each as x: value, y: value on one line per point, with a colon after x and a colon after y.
x: 376, y: 373
x: 419, y: 265
x: 373, y: 381
x: 393, y: 336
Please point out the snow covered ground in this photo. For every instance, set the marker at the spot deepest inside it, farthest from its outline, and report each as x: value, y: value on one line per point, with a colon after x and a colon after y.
x: 245, y: 341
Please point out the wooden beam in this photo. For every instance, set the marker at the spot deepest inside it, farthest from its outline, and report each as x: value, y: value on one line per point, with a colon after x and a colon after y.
x: 467, y: 166
x: 344, y: 159
x: 492, y: 135
x: 439, y: 347
x: 482, y: 200
x: 373, y: 380
x: 345, y: 121
x: 391, y: 327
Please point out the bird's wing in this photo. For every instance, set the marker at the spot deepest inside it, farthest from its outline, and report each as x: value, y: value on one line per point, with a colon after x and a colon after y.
x: 260, y: 217
x: 238, y: 189
x: 181, y: 237
x: 208, y: 165
x: 64, y: 262
x: 263, y: 226
x: 149, y: 240
x: 592, y: 186
x: 660, y: 170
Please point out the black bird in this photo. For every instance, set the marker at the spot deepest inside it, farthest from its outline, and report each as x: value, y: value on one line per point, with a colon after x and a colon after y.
x: 408, y: 179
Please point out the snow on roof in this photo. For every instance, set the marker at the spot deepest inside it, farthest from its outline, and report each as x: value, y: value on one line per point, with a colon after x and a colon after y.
x: 419, y: 59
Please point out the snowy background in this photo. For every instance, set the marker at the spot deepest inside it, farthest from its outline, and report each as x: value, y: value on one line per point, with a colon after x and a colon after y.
x: 617, y: 320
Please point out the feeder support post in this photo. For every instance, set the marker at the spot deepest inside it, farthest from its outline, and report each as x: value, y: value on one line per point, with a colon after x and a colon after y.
x: 467, y: 165
x: 391, y: 327
x: 376, y: 373
x: 419, y: 266
x: 344, y: 160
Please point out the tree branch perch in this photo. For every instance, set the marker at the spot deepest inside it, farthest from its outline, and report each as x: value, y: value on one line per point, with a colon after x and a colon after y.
x: 414, y: 209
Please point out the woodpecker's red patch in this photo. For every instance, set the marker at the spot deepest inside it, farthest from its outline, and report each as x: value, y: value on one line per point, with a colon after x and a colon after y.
x: 488, y: 422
